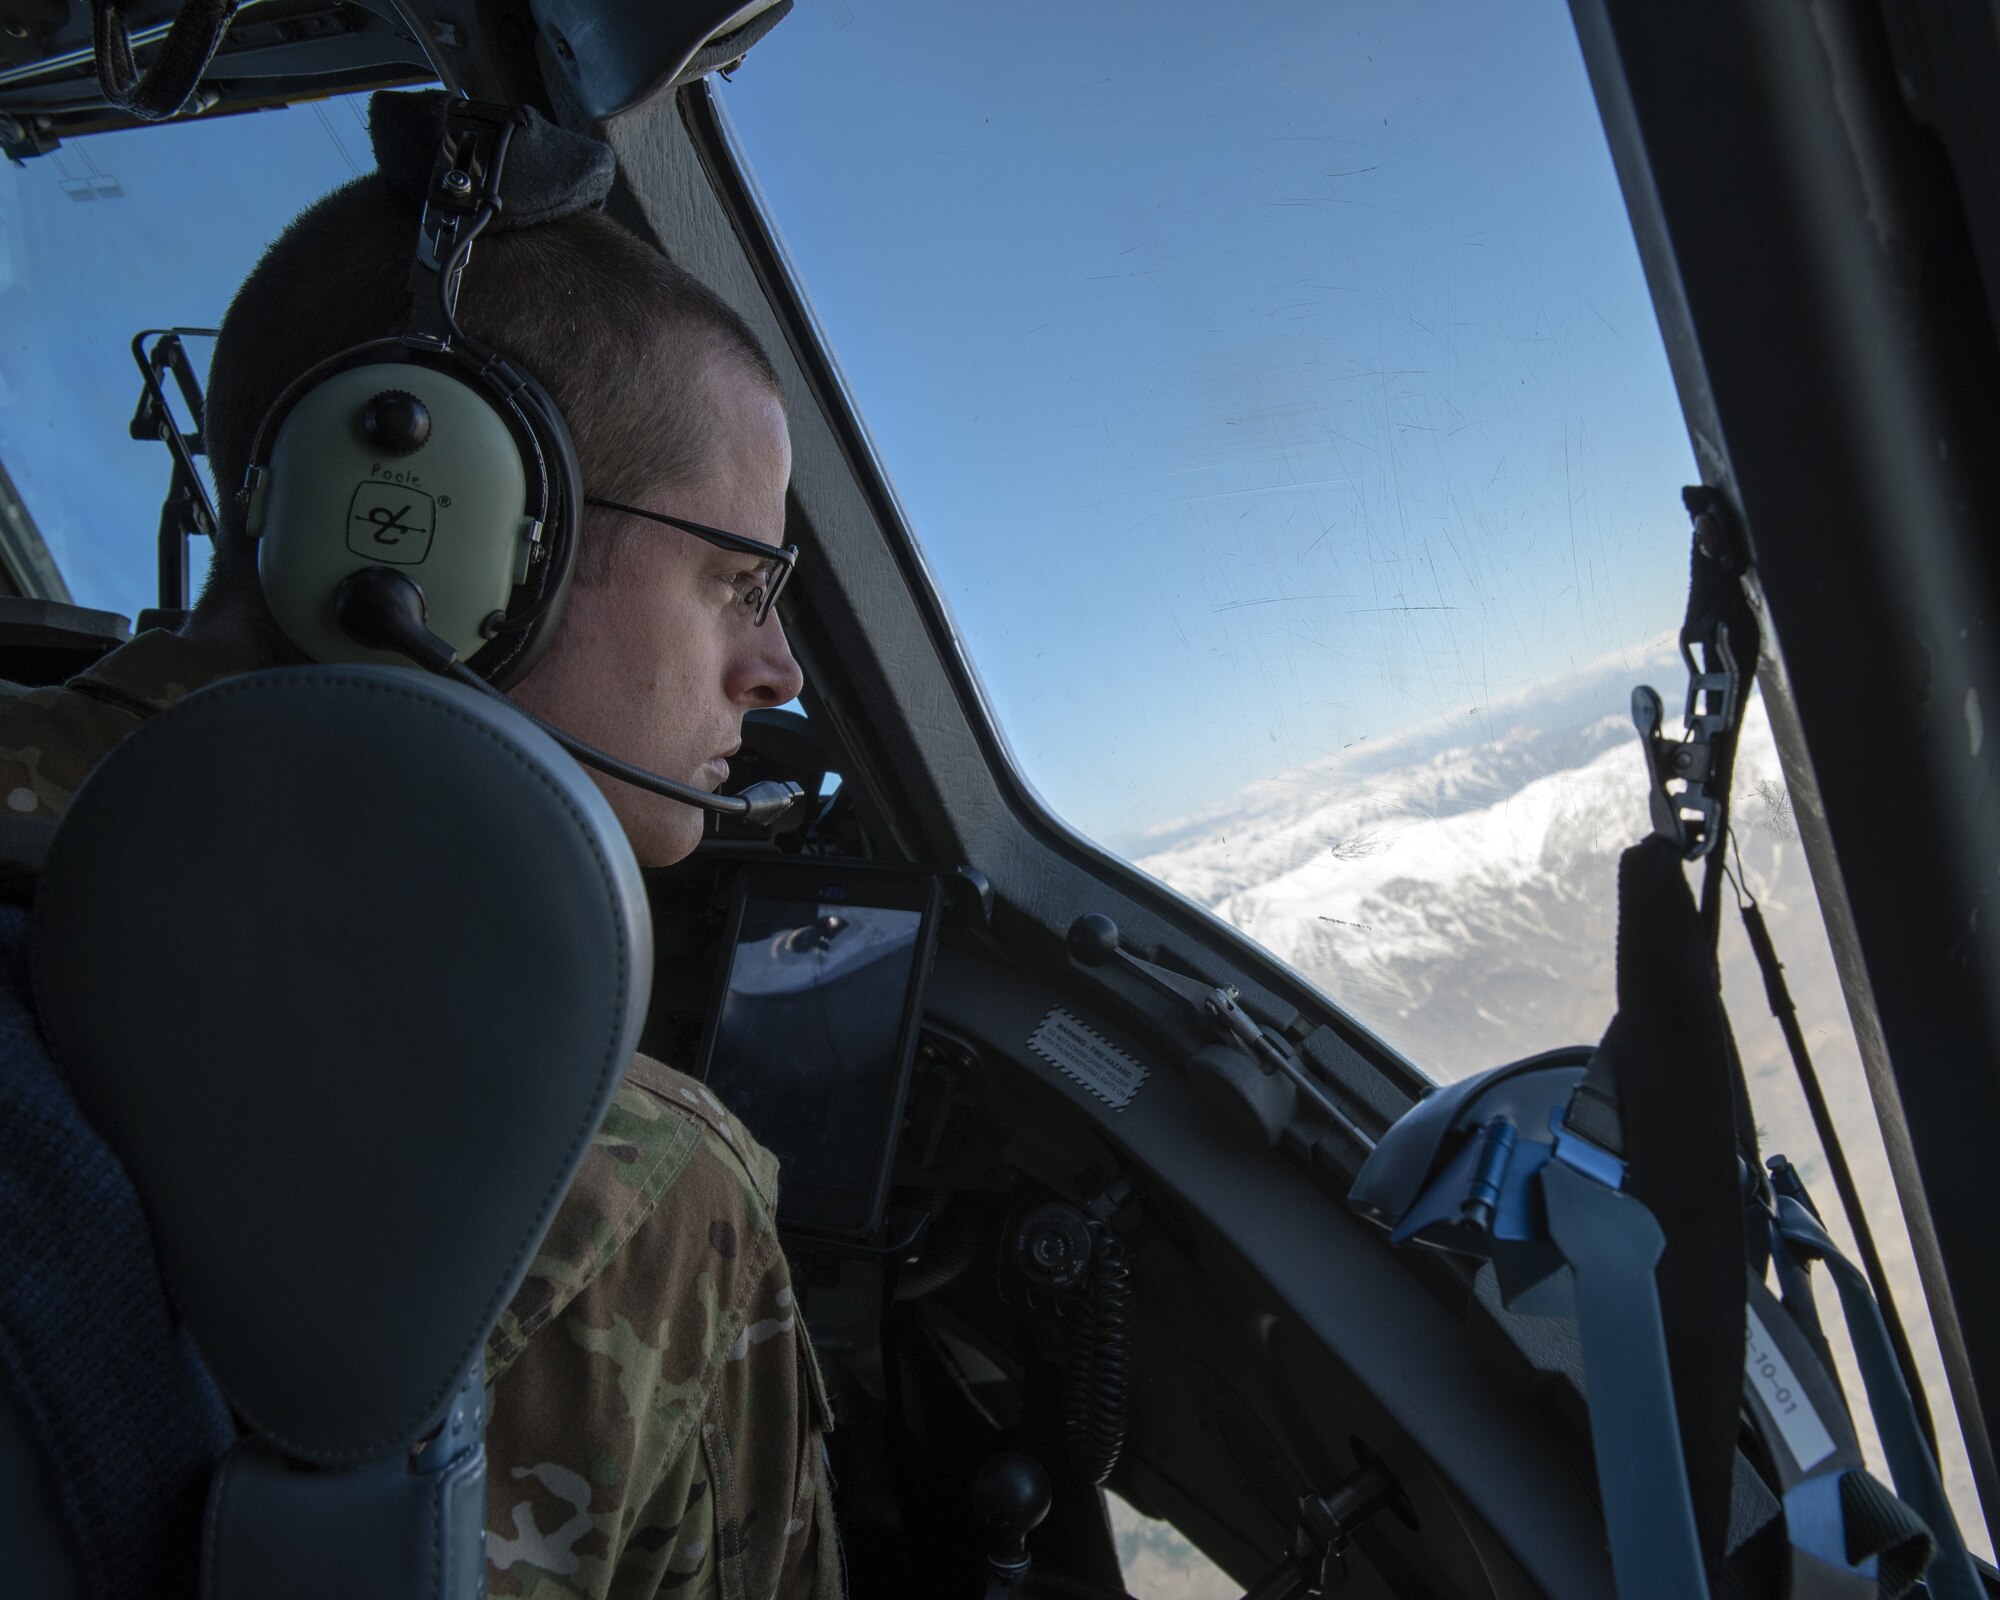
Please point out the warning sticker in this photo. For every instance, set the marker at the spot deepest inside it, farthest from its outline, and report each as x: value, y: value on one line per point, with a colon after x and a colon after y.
x: 1103, y: 1069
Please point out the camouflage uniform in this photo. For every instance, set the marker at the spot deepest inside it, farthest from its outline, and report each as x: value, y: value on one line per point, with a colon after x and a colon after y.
x: 656, y: 1411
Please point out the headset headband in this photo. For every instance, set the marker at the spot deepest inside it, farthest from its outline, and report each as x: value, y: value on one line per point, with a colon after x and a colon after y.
x: 462, y: 198
x: 536, y: 540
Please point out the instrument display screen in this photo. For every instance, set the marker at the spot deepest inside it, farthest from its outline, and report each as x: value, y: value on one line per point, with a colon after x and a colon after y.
x: 810, y: 1039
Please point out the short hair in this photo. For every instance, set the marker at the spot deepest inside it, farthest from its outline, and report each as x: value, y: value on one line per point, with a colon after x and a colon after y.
x: 621, y: 338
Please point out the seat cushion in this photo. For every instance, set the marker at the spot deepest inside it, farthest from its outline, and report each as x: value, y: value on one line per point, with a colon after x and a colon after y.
x: 345, y: 963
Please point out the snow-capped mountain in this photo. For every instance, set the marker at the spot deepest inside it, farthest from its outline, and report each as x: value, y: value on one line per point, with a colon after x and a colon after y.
x: 1455, y: 886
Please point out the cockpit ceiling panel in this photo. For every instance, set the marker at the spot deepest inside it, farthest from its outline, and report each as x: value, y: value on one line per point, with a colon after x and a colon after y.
x: 604, y: 57
x: 616, y: 54
x: 273, y: 51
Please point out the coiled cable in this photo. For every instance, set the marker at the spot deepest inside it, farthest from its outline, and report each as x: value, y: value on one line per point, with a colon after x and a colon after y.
x: 1097, y: 1395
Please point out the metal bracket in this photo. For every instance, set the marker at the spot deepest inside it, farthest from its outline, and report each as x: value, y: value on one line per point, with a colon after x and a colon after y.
x: 188, y: 509
x: 1093, y: 942
x: 1690, y: 815
x: 1586, y: 1156
x: 464, y: 194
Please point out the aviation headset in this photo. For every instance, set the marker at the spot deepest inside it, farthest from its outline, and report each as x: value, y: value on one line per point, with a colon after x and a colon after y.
x: 417, y: 498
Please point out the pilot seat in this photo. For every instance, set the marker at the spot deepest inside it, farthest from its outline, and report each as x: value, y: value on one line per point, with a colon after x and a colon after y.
x: 309, y: 1009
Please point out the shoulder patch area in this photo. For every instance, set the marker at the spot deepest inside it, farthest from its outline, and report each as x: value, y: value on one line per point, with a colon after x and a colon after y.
x: 51, y: 738
x: 49, y: 741
x: 660, y: 1121
x: 692, y: 1098
x: 633, y: 1159
x: 673, y: 1379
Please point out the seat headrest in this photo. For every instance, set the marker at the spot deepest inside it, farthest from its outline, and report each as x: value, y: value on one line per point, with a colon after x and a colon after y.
x: 345, y: 963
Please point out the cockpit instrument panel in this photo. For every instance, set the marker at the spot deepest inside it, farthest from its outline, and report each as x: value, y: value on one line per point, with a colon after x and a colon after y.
x: 814, y: 1024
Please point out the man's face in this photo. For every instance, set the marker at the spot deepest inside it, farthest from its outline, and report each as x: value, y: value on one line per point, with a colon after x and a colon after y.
x: 657, y: 663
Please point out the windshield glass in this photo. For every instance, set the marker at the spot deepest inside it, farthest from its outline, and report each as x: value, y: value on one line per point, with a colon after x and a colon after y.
x: 1302, y: 468
x: 106, y: 235
x: 1278, y: 399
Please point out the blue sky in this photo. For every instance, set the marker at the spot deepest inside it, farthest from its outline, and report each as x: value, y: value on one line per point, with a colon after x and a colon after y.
x: 1259, y: 379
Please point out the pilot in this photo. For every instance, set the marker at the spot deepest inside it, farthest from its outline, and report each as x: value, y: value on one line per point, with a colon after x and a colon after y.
x: 656, y: 1411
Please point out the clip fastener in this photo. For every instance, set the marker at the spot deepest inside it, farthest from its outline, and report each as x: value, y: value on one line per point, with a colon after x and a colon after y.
x: 463, y: 193
x: 1691, y: 816
x: 1688, y: 816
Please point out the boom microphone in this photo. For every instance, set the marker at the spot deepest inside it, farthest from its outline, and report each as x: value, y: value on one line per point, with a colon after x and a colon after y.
x: 383, y: 610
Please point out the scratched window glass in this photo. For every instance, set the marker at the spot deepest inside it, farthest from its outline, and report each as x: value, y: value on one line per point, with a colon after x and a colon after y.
x: 1277, y: 396
x: 106, y: 235
x: 1278, y: 399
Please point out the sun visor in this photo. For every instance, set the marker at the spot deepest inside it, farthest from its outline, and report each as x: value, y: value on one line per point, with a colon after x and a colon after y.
x: 613, y: 55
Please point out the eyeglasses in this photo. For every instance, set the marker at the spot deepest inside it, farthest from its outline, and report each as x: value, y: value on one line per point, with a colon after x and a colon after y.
x: 781, y: 558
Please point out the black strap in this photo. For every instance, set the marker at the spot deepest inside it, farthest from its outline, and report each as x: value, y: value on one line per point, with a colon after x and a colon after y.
x: 1880, y: 1525
x: 176, y: 71
x: 1666, y: 1064
x: 1666, y: 1090
x: 1721, y: 635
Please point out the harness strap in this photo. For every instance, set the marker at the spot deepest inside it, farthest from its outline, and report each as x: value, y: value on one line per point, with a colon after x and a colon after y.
x: 1666, y: 1068
x: 1720, y: 641
x: 1612, y: 1243
x: 1794, y: 1276
x: 1810, y: 1449
x: 1666, y: 1090
x: 1951, y: 1575
x: 1779, y: 995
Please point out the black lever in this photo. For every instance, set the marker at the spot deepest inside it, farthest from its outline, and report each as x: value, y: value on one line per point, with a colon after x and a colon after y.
x: 1093, y: 942
x: 1010, y: 1495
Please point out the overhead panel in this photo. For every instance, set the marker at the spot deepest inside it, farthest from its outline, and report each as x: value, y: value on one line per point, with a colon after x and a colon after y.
x: 604, y: 58
x: 273, y: 51
x: 617, y: 55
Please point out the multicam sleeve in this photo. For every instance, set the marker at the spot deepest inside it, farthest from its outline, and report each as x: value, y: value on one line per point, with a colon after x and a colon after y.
x: 659, y: 1433
x: 763, y: 1448
x: 50, y: 740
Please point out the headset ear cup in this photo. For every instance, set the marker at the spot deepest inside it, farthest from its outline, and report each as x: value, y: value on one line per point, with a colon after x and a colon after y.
x: 414, y: 462
x: 513, y: 452
x: 513, y: 653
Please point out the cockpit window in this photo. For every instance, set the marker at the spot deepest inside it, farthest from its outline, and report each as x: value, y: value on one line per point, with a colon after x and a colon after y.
x: 110, y: 234
x: 1280, y: 405
x: 1276, y: 394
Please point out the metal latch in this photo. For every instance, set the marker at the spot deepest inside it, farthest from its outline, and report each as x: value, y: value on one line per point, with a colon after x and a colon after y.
x: 1689, y: 815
